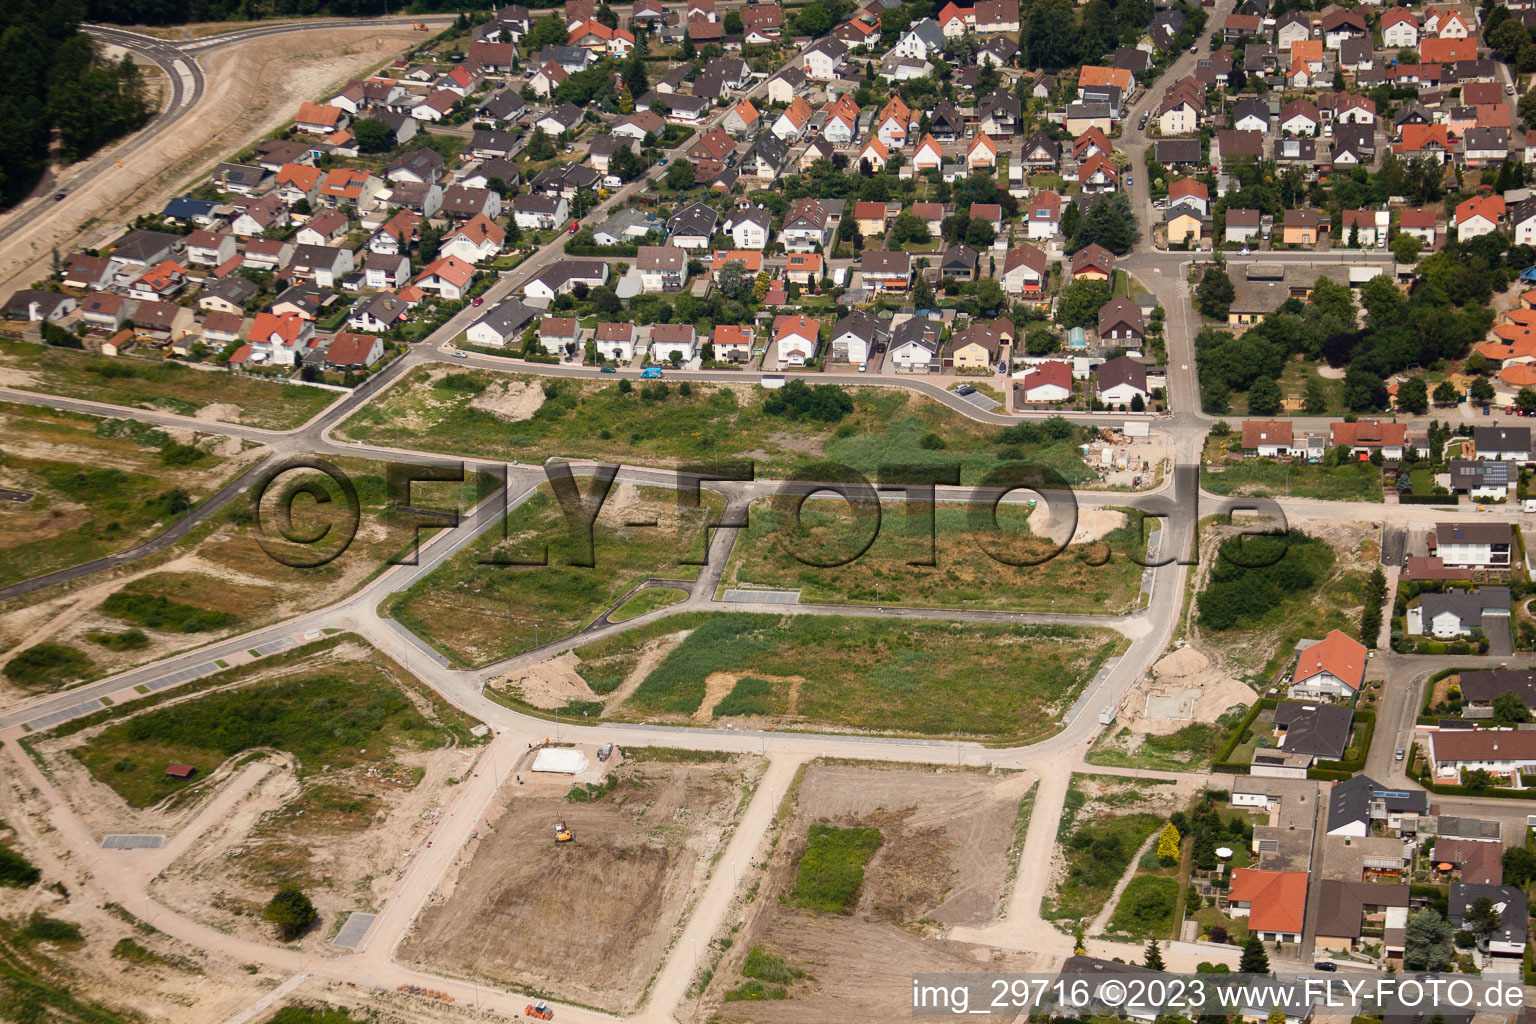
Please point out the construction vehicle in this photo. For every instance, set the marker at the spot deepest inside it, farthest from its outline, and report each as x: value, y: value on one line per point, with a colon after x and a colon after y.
x: 419, y: 26
x: 539, y: 1011
x: 562, y: 835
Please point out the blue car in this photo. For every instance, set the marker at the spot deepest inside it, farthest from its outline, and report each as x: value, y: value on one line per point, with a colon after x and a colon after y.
x: 609, y: 369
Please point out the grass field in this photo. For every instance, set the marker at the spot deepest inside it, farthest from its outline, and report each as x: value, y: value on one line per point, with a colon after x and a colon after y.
x: 831, y: 870
x: 593, y: 419
x: 608, y: 662
x: 1265, y: 478
x: 966, y: 573
x: 326, y: 716
x: 1146, y: 907
x: 98, y: 486
x: 169, y: 386
x: 929, y: 678
x: 477, y: 613
x: 649, y: 600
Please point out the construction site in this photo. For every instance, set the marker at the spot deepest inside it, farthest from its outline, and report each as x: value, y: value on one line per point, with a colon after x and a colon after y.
x: 943, y: 862
x: 578, y: 880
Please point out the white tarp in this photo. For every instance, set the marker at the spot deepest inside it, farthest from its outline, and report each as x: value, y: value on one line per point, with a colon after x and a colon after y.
x: 560, y: 761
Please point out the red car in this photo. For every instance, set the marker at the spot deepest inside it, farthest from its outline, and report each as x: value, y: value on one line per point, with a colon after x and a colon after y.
x: 477, y: 301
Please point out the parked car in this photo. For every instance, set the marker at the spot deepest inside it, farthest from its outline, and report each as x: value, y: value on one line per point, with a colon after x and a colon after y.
x: 863, y: 367
x: 1325, y: 965
x: 1399, y: 755
x: 478, y: 300
x: 461, y: 355
x: 965, y: 389
x: 609, y: 369
x: 651, y: 372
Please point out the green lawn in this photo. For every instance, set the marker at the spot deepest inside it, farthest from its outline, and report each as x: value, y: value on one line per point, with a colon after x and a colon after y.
x: 595, y: 419
x: 774, y: 551
x: 171, y: 386
x: 98, y: 486
x: 1266, y: 478
x: 606, y: 663
x: 477, y: 612
x: 329, y: 717
x: 1146, y: 907
x: 929, y: 678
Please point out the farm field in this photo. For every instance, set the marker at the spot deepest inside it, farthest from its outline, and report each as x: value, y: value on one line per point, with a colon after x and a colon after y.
x: 1094, y: 573
x: 494, y: 414
x: 168, y: 386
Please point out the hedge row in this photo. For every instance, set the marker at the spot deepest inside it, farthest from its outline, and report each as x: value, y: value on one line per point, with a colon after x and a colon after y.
x: 1427, y: 499
x: 602, y: 250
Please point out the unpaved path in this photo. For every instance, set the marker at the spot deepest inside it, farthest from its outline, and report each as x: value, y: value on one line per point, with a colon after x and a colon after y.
x: 1101, y: 922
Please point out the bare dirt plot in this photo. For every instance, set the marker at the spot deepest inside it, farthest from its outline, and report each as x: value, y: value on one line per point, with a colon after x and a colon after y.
x: 591, y: 919
x: 942, y: 862
x: 252, y: 87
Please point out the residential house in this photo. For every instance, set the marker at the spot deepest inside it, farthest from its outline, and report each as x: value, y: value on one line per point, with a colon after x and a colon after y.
x: 1273, y: 902
x: 448, y: 276
x: 1093, y: 262
x: 807, y: 226
x: 749, y: 229
x: 1049, y: 381
x: 1333, y: 667
x: 1120, y: 323
x: 1268, y: 439
x: 1459, y: 613
x: 983, y: 346
x: 1303, y: 227
x: 474, y: 241
x: 1480, y: 215
x: 279, y: 340
x: 796, y: 338
x: 1121, y: 381
x: 558, y: 335
x: 1473, y: 545
x: 914, y: 345
x: 693, y: 226
x: 1364, y: 437
x: 854, y: 337
x: 378, y: 313
x: 349, y: 351
x: 1025, y: 274
x: 673, y: 343
x: 959, y: 262
x: 1044, y: 216
x: 663, y: 268
x: 731, y: 343
x: 539, y: 213
x: 885, y: 271
x: 499, y: 327
x: 562, y: 277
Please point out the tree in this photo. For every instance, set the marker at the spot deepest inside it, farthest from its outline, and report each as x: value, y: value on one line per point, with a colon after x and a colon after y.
x: 291, y: 911
x: 1168, y: 845
x: 908, y: 227
x: 547, y: 31
x: 1363, y: 390
x: 680, y: 176
x: 733, y: 23
x: 373, y: 135
x: 1406, y: 248
x: 1519, y: 866
x: 624, y: 164
x: 990, y: 298
x: 1154, y: 958
x: 1526, y: 400
x: 1370, y: 615
x: 1215, y: 294
x: 1446, y: 393
x: 922, y: 293
x: 1264, y: 397
x: 1255, y: 960
x: 979, y: 233
x: 1413, y: 396
x: 635, y: 79
x: 539, y: 146
x: 1509, y: 709
x: 1481, y: 390
x: 1315, y: 400
x: 1041, y: 341
x: 1080, y: 302
x: 1215, y: 397
x: 1427, y: 941
x: 732, y: 282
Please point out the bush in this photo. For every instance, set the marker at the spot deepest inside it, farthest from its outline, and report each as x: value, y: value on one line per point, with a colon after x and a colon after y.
x: 1255, y: 574
x: 16, y: 872
x: 155, y: 612
x: 291, y: 911
x: 47, y: 665
x: 51, y: 929
x: 1146, y: 906
x: 798, y: 400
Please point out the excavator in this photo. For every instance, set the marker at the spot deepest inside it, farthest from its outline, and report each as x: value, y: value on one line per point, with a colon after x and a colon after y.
x: 562, y: 833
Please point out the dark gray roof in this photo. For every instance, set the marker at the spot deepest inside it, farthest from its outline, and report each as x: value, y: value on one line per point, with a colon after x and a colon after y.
x: 694, y: 219
x: 508, y: 317
x: 1466, y: 474
x: 1342, y: 904
x: 918, y: 329
x: 1467, y: 606
x: 1481, y: 687
x: 1513, y: 916
x: 1502, y: 439
x: 1178, y: 151
x: 233, y: 288
x: 1318, y: 729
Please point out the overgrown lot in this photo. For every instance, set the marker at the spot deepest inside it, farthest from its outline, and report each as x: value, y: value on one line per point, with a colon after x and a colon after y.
x: 880, y: 674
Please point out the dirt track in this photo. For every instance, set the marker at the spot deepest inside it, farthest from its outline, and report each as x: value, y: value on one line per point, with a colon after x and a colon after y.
x: 253, y: 87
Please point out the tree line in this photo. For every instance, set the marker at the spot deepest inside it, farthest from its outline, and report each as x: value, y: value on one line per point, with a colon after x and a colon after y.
x: 57, y: 81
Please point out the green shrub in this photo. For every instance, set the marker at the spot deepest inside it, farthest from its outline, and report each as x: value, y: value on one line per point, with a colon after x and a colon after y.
x: 48, y: 665
x: 1146, y: 906
x: 51, y: 929
x: 831, y: 871
x: 16, y: 871
x: 155, y: 612
x: 769, y: 967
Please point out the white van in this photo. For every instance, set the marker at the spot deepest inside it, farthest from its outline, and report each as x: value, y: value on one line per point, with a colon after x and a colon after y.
x: 1529, y: 505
